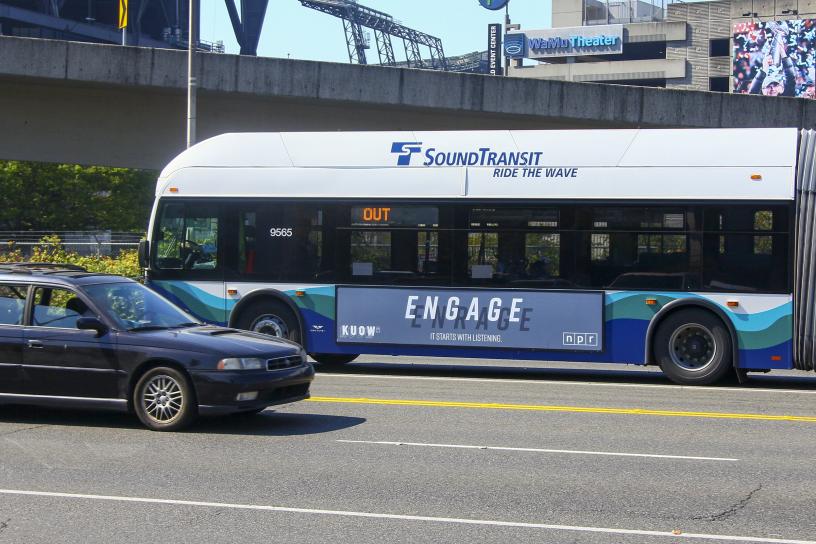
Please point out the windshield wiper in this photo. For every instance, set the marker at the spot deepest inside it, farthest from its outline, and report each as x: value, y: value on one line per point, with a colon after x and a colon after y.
x: 148, y: 328
x: 188, y: 324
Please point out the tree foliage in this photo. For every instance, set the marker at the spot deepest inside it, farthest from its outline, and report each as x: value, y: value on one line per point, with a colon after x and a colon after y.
x: 41, y: 196
x: 51, y: 250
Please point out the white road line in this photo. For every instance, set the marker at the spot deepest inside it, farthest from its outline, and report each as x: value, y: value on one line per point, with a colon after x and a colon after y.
x: 539, y: 450
x: 675, y: 534
x: 321, y: 375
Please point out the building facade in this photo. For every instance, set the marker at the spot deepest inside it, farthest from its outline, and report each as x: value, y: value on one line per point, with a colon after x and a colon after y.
x: 665, y: 43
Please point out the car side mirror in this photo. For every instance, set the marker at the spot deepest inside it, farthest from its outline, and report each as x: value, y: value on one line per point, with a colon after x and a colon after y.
x: 92, y: 324
x: 144, y: 253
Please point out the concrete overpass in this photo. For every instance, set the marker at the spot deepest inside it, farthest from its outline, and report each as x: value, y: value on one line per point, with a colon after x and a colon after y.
x: 125, y: 106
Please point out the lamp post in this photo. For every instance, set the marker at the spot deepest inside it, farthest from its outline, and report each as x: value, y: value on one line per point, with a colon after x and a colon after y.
x: 191, y: 79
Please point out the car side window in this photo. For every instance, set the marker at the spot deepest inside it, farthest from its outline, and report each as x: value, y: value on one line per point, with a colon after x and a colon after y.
x: 54, y: 307
x: 12, y: 304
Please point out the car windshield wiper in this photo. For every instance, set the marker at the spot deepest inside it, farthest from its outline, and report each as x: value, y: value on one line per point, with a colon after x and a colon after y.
x: 147, y: 328
x: 187, y: 324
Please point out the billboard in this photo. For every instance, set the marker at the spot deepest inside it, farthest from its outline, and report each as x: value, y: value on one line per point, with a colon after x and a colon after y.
x: 493, y: 318
x: 774, y: 58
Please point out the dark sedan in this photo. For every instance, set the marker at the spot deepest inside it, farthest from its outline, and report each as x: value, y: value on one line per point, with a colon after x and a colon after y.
x: 73, y: 338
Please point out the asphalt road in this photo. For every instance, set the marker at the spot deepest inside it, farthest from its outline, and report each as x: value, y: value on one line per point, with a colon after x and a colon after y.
x: 432, y: 451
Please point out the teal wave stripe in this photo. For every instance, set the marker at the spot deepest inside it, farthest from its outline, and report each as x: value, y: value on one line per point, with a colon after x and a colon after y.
x: 200, y: 302
x: 318, y: 299
x: 778, y: 332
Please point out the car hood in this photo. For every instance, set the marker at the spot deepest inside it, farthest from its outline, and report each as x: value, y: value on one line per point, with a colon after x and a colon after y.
x: 214, y: 340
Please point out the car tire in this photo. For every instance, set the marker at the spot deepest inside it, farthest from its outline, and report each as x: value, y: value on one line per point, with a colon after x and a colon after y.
x: 164, y: 400
x: 270, y: 317
x: 693, y: 347
x: 333, y: 359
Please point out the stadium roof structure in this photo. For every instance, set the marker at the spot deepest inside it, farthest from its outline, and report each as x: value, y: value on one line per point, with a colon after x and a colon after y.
x: 355, y: 17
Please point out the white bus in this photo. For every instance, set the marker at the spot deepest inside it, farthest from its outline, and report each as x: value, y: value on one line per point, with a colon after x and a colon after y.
x: 667, y: 247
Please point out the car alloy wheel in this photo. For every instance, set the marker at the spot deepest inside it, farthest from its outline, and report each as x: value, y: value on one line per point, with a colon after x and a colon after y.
x: 162, y: 398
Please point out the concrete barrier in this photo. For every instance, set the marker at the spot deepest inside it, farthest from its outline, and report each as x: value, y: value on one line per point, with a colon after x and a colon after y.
x: 125, y: 106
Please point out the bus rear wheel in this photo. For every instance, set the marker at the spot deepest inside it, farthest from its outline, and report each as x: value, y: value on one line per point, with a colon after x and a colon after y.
x: 270, y: 317
x: 693, y: 347
x: 333, y: 359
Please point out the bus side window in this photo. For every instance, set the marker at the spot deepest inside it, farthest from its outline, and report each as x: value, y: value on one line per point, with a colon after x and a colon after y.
x: 280, y: 241
x: 387, y: 243
x: 247, y: 249
x: 746, y: 248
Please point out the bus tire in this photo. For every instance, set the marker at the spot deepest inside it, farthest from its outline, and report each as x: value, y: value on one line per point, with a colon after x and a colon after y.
x: 271, y: 317
x: 333, y: 359
x: 693, y: 347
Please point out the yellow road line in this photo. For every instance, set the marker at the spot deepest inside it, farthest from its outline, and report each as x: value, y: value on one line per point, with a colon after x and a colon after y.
x: 545, y: 408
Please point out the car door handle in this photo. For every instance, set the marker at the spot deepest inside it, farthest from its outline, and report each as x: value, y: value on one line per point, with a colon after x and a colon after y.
x: 35, y: 344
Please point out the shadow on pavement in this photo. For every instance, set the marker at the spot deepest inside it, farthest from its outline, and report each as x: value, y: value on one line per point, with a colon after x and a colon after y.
x: 267, y: 423
x: 631, y: 374
x: 271, y: 423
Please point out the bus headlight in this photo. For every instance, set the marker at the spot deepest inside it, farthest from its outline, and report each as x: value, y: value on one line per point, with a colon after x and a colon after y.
x: 241, y: 363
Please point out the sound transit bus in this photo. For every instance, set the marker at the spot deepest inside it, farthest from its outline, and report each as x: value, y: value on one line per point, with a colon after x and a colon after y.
x: 665, y: 247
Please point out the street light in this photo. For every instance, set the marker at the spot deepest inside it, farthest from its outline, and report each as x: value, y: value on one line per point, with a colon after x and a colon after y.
x: 191, y: 80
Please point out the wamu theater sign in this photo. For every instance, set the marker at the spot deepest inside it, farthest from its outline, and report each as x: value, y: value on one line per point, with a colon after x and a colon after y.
x: 564, y: 42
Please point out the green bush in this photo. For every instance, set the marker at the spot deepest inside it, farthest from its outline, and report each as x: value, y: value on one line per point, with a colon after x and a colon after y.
x: 51, y: 250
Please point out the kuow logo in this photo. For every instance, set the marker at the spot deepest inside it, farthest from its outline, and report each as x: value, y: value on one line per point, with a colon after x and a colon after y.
x: 405, y: 150
x: 359, y: 331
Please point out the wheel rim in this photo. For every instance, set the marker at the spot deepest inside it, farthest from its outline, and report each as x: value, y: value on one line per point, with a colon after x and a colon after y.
x: 162, y: 398
x: 272, y: 325
x: 692, y: 347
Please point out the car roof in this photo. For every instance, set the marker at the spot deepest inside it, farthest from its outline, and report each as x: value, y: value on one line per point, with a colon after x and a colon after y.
x: 54, y: 273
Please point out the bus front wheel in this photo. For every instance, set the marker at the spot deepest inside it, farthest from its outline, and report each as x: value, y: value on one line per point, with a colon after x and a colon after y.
x: 693, y: 347
x: 333, y: 359
x: 270, y: 317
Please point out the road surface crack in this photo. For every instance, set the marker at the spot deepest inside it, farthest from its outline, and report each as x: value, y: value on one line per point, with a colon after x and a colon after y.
x: 732, y: 510
x: 29, y: 428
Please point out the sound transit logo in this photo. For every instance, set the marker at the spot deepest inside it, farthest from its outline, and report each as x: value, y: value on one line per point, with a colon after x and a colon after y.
x: 482, y: 156
x: 405, y: 149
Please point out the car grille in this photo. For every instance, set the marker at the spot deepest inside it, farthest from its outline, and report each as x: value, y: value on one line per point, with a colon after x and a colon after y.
x: 279, y: 363
x: 284, y: 393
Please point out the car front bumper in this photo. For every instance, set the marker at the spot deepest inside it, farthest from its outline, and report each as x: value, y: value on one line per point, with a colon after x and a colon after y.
x: 217, y: 390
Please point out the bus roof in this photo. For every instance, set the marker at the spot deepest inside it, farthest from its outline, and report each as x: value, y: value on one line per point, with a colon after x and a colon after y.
x: 747, y: 164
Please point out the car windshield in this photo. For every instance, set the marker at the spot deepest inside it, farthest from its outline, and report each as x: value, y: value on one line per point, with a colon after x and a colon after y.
x: 135, y: 307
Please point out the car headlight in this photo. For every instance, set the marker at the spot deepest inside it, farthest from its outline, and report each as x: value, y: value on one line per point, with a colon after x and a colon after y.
x: 241, y: 363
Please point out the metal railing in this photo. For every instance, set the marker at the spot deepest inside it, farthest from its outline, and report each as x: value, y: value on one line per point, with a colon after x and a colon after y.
x: 609, y: 12
x: 81, y: 242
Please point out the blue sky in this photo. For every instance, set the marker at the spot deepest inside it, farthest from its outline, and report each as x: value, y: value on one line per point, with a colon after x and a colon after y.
x: 304, y: 33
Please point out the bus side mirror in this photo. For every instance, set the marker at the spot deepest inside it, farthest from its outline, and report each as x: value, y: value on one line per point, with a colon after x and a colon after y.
x: 144, y: 253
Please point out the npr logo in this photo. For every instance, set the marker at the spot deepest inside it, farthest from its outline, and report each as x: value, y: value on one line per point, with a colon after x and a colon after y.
x: 580, y: 339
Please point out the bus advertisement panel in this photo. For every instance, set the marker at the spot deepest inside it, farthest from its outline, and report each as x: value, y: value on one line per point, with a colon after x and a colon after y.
x: 506, y: 318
